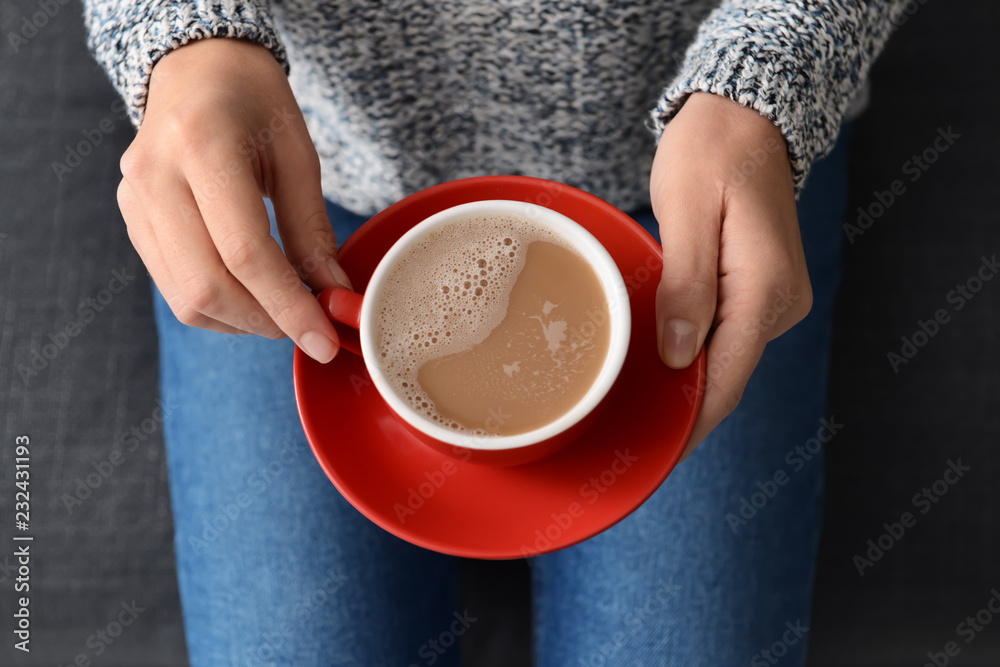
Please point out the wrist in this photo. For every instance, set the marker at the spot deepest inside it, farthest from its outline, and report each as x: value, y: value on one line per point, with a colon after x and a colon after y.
x: 214, y: 56
x: 745, y: 145
x: 736, y: 121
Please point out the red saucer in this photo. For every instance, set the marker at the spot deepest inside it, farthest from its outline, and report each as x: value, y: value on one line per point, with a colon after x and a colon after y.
x: 483, y: 511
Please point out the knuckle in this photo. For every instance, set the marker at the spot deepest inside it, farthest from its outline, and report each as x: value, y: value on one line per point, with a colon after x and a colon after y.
x: 241, y: 253
x: 135, y: 163
x: 296, y: 274
x: 732, y: 400
x: 200, y: 293
x: 279, y: 304
x: 122, y: 194
x: 793, y: 289
x: 726, y: 398
x: 258, y: 321
x: 322, y: 242
x: 187, y: 315
x: 681, y: 282
x: 686, y: 287
x: 194, y: 138
x: 125, y: 199
x: 309, y: 160
x: 132, y: 237
x: 186, y: 124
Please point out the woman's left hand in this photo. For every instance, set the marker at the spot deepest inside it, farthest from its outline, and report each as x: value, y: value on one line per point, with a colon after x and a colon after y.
x: 734, y: 271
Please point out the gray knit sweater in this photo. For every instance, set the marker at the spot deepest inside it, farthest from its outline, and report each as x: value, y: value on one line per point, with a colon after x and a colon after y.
x: 402, y: 94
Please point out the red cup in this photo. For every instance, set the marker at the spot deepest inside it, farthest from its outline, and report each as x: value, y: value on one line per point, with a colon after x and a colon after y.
x: 357, y: 311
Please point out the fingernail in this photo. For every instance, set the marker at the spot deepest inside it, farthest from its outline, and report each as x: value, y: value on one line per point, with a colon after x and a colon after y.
x: 339, y: 274
x: 678, y: 339
x: 318, y: 346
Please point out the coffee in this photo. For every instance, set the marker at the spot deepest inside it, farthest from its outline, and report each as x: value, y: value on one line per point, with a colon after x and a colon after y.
x: 492, y: 325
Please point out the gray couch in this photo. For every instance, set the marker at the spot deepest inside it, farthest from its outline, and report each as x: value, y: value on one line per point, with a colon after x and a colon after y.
x: 82, y: 382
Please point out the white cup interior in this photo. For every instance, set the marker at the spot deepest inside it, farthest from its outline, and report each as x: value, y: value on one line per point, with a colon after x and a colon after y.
x: 580, y: 239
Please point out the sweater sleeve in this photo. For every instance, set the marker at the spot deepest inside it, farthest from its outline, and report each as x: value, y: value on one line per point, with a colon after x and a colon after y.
x: 798, y: 62
x: 128, y: 38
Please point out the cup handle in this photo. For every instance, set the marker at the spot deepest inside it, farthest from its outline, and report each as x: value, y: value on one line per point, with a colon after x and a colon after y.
x: 344, y: 306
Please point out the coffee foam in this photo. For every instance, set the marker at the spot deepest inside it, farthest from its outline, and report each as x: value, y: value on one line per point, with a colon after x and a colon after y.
x: 446, y: 296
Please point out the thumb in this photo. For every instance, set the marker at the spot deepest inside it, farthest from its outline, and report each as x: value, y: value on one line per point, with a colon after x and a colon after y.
x: 687, y: 294
x: 300, y: 210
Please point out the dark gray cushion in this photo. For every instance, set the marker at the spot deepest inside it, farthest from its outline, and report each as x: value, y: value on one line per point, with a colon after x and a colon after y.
x: 64, y: 242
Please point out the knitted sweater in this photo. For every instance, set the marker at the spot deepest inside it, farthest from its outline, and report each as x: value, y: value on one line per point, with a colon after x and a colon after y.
x: 399, y: 95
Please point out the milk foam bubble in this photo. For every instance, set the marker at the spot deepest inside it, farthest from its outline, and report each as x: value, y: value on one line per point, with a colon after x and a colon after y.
x: 446, y: 296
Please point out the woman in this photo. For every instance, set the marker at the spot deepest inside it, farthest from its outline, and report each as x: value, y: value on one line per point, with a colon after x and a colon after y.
x: 399, y: 97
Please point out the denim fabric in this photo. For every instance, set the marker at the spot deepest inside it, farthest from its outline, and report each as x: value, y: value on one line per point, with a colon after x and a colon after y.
x: 276, y: 568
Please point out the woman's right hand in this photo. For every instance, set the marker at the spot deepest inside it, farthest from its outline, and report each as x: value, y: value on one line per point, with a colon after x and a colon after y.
x: 221, y: 130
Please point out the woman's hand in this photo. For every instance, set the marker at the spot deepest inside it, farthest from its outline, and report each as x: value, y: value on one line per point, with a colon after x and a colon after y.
x: 734, y: 271
x: 221, y: 130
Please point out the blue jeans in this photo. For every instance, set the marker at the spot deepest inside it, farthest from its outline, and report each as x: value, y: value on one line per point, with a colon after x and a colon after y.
x: 716, y: 568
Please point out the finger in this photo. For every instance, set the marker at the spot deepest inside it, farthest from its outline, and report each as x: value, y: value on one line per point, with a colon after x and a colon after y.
x: 300, y: 210
x: 686, y: 296
x: 733, y: 353
x: 239, y: 228
x: 748, y: 321
x: 756, y: 305
x: 203, y: 283
x: 143, y: 238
